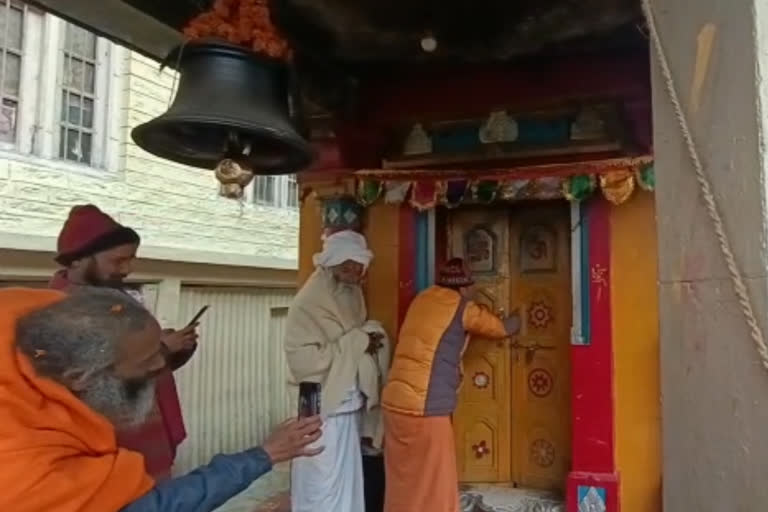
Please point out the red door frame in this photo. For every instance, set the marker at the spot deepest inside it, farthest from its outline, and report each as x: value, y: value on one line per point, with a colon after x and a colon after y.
x: 593, y: 470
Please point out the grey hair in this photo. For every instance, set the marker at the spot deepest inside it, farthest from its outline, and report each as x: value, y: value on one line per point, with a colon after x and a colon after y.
x: 79, y: 333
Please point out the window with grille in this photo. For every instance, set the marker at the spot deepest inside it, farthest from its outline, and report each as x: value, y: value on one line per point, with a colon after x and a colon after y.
x: 56, y: 85
x: 277, y: 191
x: 264, y: 190
x: 292, y: 192
x: 78, y: 95
x: 12, y: 33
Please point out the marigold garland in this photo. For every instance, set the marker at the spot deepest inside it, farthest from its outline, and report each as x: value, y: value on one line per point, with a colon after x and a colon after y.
x: 242, y: 22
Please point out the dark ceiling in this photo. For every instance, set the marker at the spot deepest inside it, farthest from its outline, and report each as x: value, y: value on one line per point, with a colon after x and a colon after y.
x: 468, y: 30
x: 339, y: 41
x: 175, y: 13
x: 365, y: 31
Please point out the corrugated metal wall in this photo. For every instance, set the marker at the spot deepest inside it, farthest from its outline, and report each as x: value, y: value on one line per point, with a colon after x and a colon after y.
x: 234, y: 390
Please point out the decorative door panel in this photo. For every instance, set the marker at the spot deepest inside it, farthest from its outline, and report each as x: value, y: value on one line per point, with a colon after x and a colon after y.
x: 482, y: 418
x: 540, y: 357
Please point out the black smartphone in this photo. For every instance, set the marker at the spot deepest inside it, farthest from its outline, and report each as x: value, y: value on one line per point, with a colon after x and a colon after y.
x: 198, y: 315
x: 309, y: 399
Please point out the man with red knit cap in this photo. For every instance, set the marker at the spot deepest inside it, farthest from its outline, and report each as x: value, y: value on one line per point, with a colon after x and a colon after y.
x: 95, y: 250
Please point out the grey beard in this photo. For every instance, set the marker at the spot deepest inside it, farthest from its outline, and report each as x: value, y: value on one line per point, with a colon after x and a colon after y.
x: 112, y: 398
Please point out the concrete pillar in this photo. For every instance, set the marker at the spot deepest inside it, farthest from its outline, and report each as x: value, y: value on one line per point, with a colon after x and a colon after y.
x: 714, y: 388
x: 168, y: 301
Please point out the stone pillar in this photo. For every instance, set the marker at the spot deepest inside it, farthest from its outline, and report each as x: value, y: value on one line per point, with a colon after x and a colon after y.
x: 714, y: 388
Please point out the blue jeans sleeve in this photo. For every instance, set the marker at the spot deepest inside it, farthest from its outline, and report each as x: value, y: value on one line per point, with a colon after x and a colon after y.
x: 207, y: 487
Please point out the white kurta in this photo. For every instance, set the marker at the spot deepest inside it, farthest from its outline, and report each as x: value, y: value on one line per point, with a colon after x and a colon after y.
x: 333, y: 480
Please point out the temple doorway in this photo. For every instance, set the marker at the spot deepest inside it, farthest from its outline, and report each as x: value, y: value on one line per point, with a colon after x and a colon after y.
x: 513, y: 421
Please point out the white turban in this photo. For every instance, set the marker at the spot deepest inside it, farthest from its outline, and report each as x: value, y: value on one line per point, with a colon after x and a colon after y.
x: 342, y: 246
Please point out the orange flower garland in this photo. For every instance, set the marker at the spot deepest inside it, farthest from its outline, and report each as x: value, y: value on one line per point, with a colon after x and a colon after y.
x: 242, y: 22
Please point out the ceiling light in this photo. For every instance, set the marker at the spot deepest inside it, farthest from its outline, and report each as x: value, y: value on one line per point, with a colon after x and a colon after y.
x: 428, y: 43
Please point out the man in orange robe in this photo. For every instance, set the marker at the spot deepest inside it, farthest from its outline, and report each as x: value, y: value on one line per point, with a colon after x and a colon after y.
x: 71, y: 368
x: 421, y: 392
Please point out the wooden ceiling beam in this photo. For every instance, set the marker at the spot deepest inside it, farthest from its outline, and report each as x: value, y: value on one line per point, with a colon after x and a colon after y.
x: 117, y: 21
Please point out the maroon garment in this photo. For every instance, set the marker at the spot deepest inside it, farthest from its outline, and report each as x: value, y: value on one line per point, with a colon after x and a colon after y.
x: 159, y: 436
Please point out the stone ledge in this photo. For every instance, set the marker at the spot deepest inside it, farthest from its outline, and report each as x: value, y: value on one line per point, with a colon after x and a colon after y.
x: 48, y: 244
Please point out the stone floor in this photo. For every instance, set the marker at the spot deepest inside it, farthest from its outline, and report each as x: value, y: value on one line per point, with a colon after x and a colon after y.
x: 506, y: 498
x: 267, y: 494
x: 271, y: 494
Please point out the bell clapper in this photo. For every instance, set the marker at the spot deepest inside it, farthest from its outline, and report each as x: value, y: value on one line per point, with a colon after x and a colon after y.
x: 238, y: 152
x: 233, y: 172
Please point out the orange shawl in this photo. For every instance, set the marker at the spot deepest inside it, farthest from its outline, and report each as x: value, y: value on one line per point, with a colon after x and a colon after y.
x: 56, y: 455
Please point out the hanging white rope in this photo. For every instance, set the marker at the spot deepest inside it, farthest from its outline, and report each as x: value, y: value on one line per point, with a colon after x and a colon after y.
x: 705, y: 187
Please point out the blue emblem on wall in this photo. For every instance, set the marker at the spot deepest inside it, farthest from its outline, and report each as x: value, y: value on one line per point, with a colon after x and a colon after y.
x: 591, y: 499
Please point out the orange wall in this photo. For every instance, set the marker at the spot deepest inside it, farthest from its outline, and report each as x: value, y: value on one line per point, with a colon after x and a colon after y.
x: 310, y: 230
x: 382, y: 231
x: 636, y: 353
x: 382, y: 223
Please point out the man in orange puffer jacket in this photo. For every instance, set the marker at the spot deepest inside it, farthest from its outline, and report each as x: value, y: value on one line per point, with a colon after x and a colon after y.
x: 421, y: 392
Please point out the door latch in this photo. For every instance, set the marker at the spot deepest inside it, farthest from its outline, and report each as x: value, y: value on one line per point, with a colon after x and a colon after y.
x: 530, y: 350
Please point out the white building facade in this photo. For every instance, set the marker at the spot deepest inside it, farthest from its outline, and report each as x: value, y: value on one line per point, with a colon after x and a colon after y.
x: 68, y: 101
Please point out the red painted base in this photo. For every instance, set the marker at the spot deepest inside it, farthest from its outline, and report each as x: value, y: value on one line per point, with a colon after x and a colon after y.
x: 592, y: 488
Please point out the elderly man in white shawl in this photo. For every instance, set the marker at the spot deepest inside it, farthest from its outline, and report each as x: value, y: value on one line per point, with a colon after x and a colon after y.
x: 329, y: 340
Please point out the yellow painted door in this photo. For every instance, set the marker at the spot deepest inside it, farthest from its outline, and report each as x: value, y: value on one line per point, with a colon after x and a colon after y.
x: 482, y: 418
x: 512, y: 423
x: 540, y: 279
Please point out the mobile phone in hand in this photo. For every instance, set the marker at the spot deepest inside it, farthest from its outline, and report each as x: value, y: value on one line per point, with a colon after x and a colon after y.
x: 198, y: 315
x: 309, y: 399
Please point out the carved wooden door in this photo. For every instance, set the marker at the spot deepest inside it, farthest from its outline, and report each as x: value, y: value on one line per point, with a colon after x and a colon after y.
x: 482, y: 419
x: 512, y: 423
x: 540, y: 359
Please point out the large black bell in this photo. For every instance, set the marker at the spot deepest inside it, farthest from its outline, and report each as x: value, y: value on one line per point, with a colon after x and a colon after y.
x: 231, y: 103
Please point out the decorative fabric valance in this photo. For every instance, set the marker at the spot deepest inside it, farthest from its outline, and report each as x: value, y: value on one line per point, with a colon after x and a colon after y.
x: 616, y: 179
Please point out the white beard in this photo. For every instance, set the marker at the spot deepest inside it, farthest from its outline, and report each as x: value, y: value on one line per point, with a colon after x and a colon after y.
x: 110, y: 397
x: 351, y: 304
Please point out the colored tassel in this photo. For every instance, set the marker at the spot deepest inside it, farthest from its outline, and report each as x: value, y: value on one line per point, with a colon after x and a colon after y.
x: 579, y: 188
x: 368, y: 191
x: 396, y: 191
x: 617, y: 186
x: 455, y: 190
x: 424, y: 195
x: 646, y: 177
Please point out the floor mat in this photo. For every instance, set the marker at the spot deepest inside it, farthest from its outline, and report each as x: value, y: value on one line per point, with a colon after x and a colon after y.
x: 506, y: 498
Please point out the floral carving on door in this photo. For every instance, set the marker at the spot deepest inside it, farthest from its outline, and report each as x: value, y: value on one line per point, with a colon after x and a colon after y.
x: 540, y: 314
x: 540, y: 382
x: 540, y: 369
x: 543, y: 453
x: 481, y: 449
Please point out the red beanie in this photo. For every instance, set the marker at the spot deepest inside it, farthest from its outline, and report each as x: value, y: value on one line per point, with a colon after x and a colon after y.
x: 88, y: 231
x: 454, y: 274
